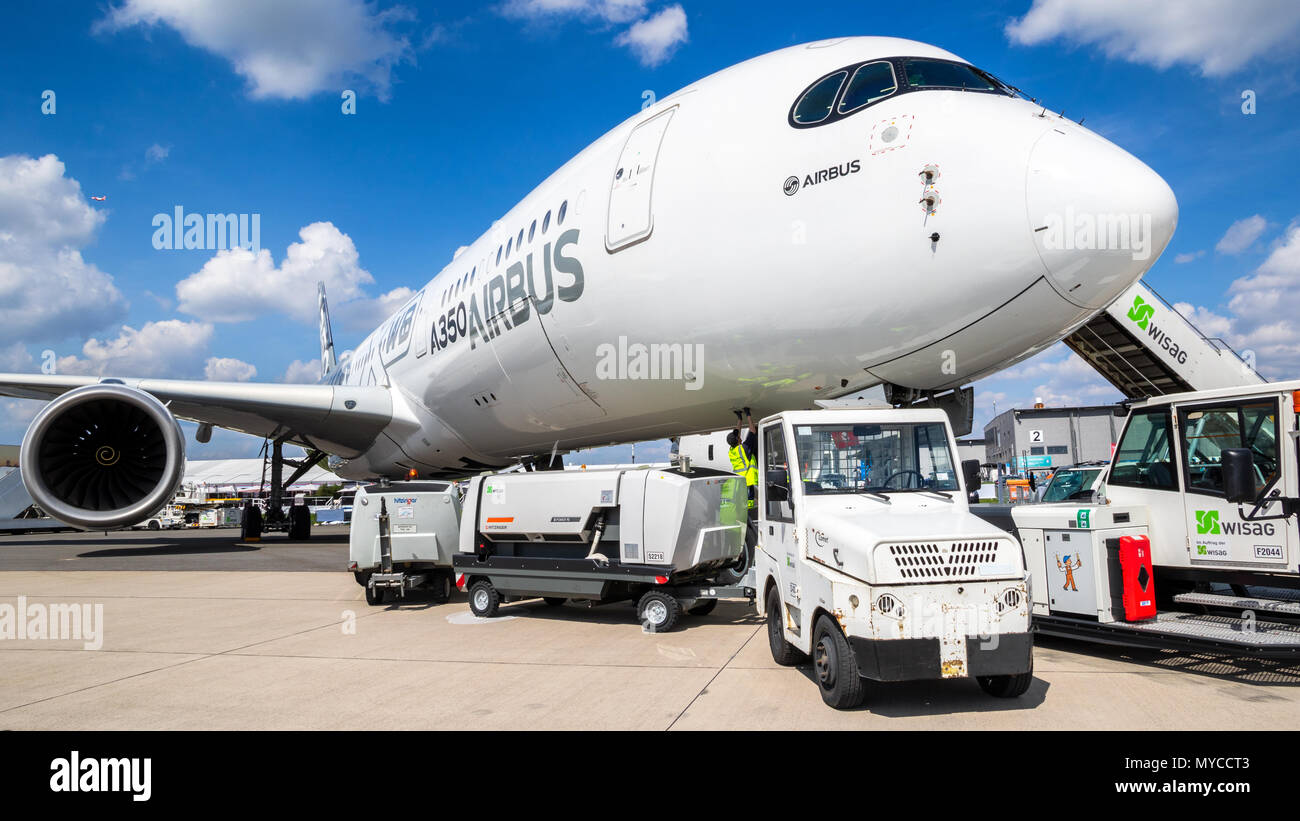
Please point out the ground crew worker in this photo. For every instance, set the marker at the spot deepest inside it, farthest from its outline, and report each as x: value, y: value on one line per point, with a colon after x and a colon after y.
x: 744, y: 457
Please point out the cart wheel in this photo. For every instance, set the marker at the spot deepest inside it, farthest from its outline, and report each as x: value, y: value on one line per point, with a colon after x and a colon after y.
x: 554, y: 601
x: 835, y: 666
x: 362, y: 577
x: 1012, y: 686
x: 484, y: 600
x: 658, y: 611
x: 153, y: 525
x: 783, y: 652
x: 703, y: 607
x: 442, y: 587
x: 376, y: 596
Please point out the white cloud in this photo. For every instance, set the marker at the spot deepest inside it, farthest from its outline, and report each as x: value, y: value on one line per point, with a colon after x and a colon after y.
x: 47, y: 290
x: 226, y: 369
x: 1189, y: 257
x: 609, y: 11
x: 300, y: 372
x: 1241, y: 235
x: 238, y: 285
x: 1262, y: 310
x: 1217, y: 36
x: 16, y: 358
x: 156, y: 153
x: 654, y: 40
x: 288, y: 49
x: 170, y: 348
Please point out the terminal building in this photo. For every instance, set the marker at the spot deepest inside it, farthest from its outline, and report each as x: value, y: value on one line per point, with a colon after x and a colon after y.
x: 1042, y: 438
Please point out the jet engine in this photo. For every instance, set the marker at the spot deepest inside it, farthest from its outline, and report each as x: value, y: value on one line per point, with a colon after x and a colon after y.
x: 103, y: 456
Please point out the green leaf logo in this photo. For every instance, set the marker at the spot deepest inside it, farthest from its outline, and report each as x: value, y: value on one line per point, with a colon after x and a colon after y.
x: 1140, y: 312
x: 1201, y: 550
x: 1207, y: 522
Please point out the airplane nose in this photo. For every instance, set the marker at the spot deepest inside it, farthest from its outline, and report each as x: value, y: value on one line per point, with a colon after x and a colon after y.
x: 1099, y: 216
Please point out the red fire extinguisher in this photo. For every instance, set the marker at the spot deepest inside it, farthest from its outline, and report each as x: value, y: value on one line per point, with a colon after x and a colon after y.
x: 1138, y: 578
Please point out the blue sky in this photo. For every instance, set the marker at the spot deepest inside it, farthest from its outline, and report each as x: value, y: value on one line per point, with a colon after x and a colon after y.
x: 235, y: 107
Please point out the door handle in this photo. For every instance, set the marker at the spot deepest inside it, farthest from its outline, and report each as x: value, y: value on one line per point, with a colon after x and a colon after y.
x: 836, y: 553
x: 771, y: 531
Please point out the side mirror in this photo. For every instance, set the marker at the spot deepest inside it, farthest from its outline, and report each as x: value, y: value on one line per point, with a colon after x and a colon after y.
x: 1238, y: 475
x: 970, y: 471
x: 778, y: 485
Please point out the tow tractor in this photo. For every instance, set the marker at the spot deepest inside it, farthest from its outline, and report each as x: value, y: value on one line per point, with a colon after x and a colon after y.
x: 868, y: 557
x: 1196, y: 544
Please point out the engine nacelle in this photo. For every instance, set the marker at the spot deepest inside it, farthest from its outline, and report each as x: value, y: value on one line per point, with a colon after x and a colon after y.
x: 103, y: 456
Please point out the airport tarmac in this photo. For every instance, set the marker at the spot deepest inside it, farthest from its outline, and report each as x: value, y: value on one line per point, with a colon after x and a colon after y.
x: 201, y: 632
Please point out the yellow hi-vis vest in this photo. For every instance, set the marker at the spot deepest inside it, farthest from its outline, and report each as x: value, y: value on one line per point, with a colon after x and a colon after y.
x: 742, y: 465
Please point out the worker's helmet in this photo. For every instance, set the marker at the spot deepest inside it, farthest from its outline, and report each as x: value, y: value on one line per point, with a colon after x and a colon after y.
x: 733, y: 439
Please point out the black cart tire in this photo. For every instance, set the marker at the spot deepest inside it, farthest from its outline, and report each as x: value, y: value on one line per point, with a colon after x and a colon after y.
x: 484, y: 600
x: 703, y: 607
x: 154, y: 525
x: 835, y: 667
x: 1012, y: 686
x: 554, y: 601
x: 442, y: 587
x: 362, y: 577
x: 377, y: 596
x: 658, y: 612
x: 733, y: 574
x: 783, y: 652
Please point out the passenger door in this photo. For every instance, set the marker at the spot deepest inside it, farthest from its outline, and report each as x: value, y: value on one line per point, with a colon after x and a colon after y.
x: 631, y: 214
x: 1220, y: 532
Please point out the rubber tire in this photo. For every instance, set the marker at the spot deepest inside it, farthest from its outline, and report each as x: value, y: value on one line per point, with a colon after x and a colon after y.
x: 783, y: 652
x: 733, y: 574
x: 703, y: 607
x: 377, y: 597
x: 153, y: 525
x: 362, y: 577
x: 442, y: 587
x: 484, y: 600
x: 835, y: 667
x: 1010, y: 686
x: 554, y: 601
x: 672, y: 610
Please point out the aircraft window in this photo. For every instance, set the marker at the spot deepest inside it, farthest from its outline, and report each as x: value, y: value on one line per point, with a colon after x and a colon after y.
x: 509, y: 244
x: 874, y: 81
x: 546, y: 222
x: 564, y: 207
x: 472, y: 272
x: 816, y: 103
x: 943, y: 74
x: 499, y: 248
x: 532, y: 229
x: 519, y: 243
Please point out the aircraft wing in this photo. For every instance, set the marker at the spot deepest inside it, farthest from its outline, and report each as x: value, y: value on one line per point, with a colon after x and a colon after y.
x: 338, y: 419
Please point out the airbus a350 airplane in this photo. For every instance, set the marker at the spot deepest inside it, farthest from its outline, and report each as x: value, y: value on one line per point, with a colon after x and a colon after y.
x: 803, y: 225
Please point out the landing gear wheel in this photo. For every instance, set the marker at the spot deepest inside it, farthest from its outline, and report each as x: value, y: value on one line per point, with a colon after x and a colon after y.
x: 835, y: 666
x: 703, y: 607
x: 376, y: 596
x: 484, y: 600
x: 1012, y: 686
x: 554, y: 601
x: 658, y: 612
x: 783, y: 652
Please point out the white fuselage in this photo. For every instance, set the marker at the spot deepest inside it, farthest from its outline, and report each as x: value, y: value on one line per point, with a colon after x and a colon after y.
x: 679, y: 229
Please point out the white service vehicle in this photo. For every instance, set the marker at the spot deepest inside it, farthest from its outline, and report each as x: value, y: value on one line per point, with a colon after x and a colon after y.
x: 871, y: 562
x: 403, y: 536
x: 1196, y: 545
x: 665, y: 539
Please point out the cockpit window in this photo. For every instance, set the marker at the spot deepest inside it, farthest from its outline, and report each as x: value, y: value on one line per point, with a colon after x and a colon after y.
x: 871, y: 82
x: 943, y: 74
x: 818, y: 101
x: 853, y: 88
